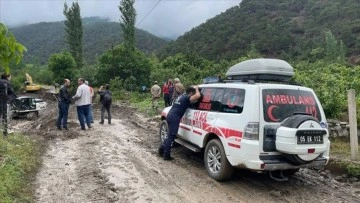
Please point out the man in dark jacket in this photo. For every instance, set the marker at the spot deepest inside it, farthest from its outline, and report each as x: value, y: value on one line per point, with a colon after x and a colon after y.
x: 7, y: 95
x: 174, y: 116
x: 105, y: 100
x: 64, y: 102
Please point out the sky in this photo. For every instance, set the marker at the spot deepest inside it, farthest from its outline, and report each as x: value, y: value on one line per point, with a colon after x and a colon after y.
x: 164, y: 18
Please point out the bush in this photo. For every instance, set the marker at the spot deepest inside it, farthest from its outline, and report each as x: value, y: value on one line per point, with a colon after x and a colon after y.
x: 353, y: 170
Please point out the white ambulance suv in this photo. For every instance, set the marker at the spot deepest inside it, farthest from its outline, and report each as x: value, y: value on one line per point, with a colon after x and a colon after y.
x: 257, y: 119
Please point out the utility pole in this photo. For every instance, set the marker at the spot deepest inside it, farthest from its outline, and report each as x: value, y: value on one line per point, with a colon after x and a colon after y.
x: 353, y: 125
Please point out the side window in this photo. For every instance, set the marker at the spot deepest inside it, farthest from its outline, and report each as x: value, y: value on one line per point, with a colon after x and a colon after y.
x: 233, y: 101
x: 206, y: 96
x: 195, y: 105
x: 216, y: 102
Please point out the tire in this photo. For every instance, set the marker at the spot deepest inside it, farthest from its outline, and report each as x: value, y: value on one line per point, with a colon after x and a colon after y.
x: 163, y: 131
x: 216, y: 163
x: 294, y: 122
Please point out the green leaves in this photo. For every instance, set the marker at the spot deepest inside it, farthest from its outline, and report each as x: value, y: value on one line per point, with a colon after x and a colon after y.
x: 10, y: 49
x: 63, y: 66
x: 74, y: 32
x: 330, y: 82
x: 128, y: 18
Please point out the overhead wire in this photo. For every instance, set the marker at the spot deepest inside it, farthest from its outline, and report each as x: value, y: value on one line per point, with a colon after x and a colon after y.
x: 148, y: 13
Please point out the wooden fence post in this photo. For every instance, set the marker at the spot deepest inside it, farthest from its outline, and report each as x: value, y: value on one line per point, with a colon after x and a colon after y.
x: 353, y: 125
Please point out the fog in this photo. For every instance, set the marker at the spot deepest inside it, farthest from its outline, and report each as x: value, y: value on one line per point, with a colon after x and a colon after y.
x: 165, y: 18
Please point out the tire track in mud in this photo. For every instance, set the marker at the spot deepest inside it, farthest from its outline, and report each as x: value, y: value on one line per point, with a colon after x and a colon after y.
x: 119, y: 163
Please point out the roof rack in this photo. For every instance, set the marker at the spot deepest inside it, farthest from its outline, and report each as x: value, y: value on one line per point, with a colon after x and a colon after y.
x: 260, y: 70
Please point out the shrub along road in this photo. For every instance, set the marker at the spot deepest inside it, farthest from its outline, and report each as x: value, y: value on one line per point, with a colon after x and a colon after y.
x: 119, y: 163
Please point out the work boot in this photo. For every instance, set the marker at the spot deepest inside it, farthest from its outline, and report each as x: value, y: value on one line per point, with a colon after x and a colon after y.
x: 167, y: 157
x: 161, y: 151
x: 101, y: 122
x: 58, y: 127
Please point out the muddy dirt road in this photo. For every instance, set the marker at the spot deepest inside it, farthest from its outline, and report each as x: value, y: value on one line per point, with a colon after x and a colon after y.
x: 119, y: 163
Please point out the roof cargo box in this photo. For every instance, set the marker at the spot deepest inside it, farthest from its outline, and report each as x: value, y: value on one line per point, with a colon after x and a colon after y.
x: 261, y: 70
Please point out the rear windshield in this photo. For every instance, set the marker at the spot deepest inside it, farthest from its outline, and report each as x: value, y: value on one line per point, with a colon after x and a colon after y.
x: 279, y: 104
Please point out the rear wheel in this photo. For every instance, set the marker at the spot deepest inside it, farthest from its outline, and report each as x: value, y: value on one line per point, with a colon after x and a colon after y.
x: 216, y: 163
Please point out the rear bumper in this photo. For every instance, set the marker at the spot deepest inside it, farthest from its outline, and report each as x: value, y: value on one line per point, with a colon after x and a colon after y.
x: 279, y: 163
x: 274, y: 163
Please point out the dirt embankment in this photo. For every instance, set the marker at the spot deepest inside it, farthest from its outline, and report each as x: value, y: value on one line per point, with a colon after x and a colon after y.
x: 119, y: 163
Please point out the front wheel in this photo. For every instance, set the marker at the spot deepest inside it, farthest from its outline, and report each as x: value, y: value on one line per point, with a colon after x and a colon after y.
x: 163, y: 133
x: 216, y: 163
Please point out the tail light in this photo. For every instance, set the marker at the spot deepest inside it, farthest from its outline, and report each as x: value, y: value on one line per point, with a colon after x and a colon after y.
x: 252, y: 131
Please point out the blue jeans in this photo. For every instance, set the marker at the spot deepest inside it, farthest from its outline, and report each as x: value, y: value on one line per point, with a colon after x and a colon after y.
x: 173, y: 127
x: 83, y: 113
x: 91, y: 114
x: 63, y: 114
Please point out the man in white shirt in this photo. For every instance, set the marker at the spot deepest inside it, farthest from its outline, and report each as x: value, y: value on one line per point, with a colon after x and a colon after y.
x: 83, y: 102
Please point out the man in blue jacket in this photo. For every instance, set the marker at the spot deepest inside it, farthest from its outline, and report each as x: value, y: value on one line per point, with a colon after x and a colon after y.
x: 64, y: 102
x: 174, y: 116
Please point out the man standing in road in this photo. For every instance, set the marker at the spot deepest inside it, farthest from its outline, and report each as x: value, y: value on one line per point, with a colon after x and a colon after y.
x: 105, y: 100
x: 64, y: 102
x: 7, y: 94
x: 155, y: 93
x: 91, y: 97
x: 82, y: 103
x: 174, y: 116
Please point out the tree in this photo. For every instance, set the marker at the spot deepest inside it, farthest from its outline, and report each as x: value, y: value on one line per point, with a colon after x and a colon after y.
x: 335, y: 51
x: 63, y: 66
x: 133, y: 71
x: 74, y: 32
x: 128, y: 18
x: 10, y: 49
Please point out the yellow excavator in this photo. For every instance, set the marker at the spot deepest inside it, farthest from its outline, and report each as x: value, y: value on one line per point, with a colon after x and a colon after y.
x: 30, y: 86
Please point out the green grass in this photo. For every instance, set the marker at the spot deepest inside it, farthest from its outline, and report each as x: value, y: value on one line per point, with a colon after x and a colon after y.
x: 340, y: 148
x: 340, y: 154
x: 19, y: 159
x: 142, y: 102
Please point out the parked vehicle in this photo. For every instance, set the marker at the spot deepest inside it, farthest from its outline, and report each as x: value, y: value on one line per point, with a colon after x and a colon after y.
x: 27, y: 107
x: 257, y: 119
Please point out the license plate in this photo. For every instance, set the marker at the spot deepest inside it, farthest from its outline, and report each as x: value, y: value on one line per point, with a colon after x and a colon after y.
x: 310, y: 139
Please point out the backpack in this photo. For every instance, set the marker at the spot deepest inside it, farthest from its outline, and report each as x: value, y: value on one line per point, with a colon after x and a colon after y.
x: 106, y: 100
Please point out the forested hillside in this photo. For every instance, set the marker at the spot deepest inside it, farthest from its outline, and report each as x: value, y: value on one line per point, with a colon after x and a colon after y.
x: 288, y: 29
x: 44, y: 39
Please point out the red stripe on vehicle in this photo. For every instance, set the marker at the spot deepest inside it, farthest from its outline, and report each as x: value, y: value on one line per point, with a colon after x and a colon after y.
x: 185, y: 128
x: 234, y: 145
x: 197, y: 132
x: 223, y: 132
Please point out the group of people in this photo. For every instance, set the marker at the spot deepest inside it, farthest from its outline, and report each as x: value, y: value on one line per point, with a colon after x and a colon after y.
x: 175, y: 96
x: 83, y: 101
x: 170, y: 90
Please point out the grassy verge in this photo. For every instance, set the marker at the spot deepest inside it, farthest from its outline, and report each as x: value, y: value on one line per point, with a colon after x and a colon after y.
x: 144, y: 104
x: 340, y: 155
x: 19, y: 159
